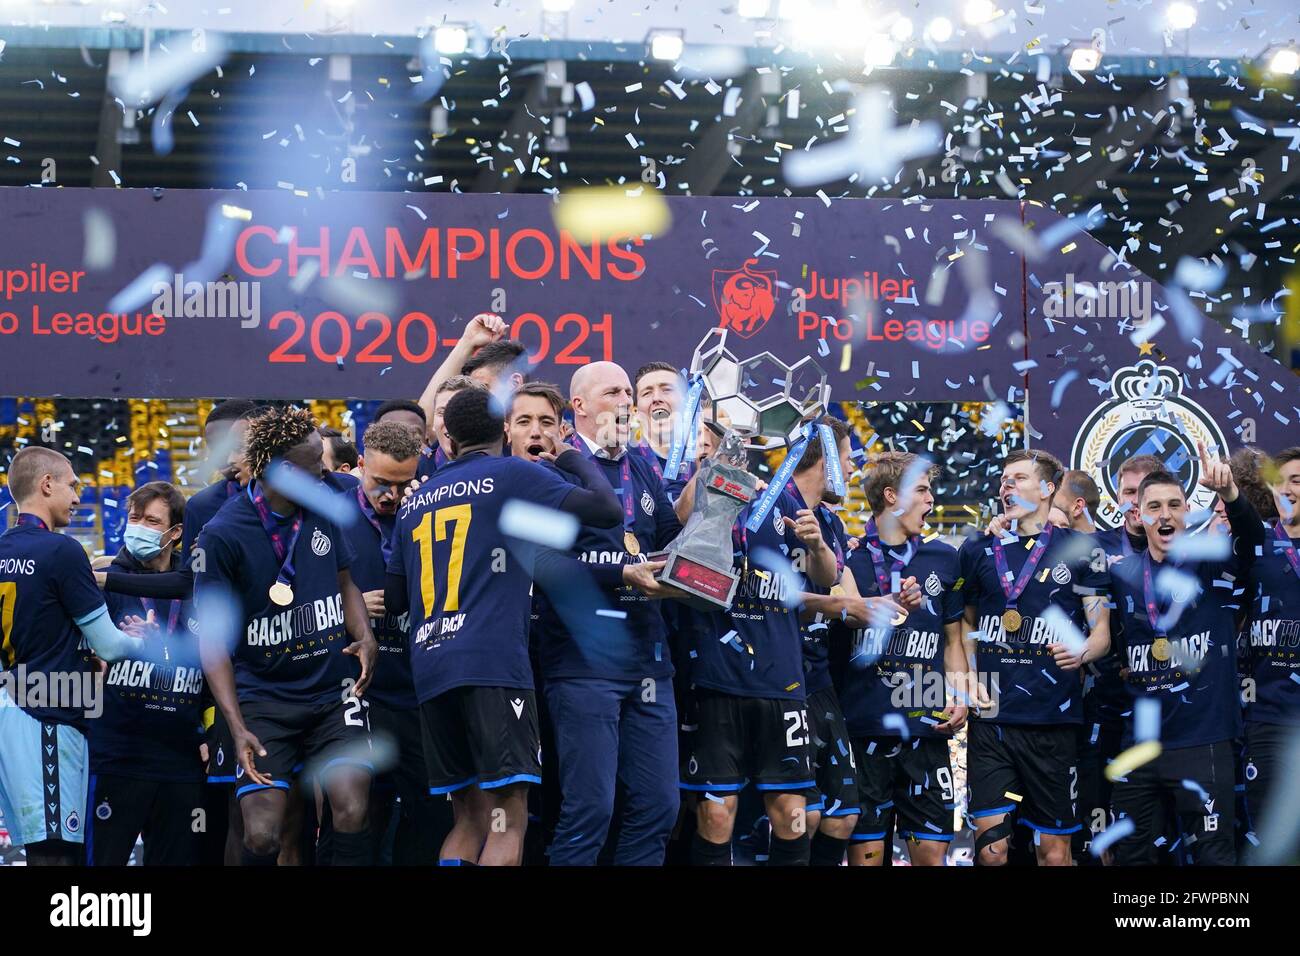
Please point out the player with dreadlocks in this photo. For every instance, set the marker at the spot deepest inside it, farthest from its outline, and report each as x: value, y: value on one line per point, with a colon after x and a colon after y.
x: 276, y: 606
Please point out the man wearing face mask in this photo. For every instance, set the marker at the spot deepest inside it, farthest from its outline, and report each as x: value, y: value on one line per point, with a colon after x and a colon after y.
x: 224, y: 432
x: 146, y: 773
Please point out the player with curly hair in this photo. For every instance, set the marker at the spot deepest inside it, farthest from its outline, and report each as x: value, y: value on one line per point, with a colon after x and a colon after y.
x: 276, y: 607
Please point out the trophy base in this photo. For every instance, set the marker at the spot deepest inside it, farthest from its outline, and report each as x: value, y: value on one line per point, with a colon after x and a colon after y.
x: 708, y: 588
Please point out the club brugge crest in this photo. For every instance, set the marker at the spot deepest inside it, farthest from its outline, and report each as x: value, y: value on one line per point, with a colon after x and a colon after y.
x: 745, y: 298
x: 320, y: 543
x: 1148, y: 414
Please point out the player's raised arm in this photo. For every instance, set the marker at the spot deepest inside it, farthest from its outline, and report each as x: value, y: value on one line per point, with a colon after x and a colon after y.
x: 685, y: 502
x: 1248, y: 536
x: 164, y: 586
x: 482, y: 329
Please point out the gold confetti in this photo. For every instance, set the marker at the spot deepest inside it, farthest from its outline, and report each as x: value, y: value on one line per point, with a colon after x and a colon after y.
x: 1128, y: 761
x: 594, y: 214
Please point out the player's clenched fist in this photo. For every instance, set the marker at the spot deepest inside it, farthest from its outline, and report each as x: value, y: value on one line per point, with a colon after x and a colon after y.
x: 484, y: 328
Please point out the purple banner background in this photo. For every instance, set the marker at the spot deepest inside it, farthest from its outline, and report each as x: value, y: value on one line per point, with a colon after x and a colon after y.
x: 969, y: 262
x: 660, y: 316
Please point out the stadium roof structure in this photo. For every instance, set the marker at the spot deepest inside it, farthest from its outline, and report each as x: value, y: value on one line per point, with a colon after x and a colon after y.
x: 1165, y: 159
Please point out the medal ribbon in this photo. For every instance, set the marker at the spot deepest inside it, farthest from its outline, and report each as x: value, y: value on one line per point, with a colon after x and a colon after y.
x: 759, y: 514
x: 31, y: 521
x: 173, y: 612
x: 1149, y: 596
x: 643, y: 449
x: 625, y: 478
x: 876, y: 548
x: 1013, y: 591
x: 368, y: 511
x: 688, y: 426
x: 831, y: 455
x: 1287, y: 548
x: 283, y: 550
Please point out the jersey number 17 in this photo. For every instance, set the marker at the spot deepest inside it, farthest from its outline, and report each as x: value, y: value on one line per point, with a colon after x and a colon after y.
x: 8, y: 597
x: 435, y: 523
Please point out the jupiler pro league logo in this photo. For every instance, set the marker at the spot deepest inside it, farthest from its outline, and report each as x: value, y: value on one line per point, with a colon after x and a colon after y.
x: 1148, y: 414
x: 745, y: 298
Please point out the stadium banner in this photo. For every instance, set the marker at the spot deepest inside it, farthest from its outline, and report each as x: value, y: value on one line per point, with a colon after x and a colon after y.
x: 361, y: 295
x: 138, y: 293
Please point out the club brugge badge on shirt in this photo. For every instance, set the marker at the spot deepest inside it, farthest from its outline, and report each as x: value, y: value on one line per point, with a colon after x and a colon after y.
x: 320, y: 543
x: 647, y: 503
x: 933, y: 585
x: 1061, y: 574
x: 777, y: 523
x: 103, y: 811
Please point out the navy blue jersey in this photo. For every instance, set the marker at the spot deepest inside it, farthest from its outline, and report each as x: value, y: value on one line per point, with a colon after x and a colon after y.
x: 1117, y: 542
x: 201, y: 508
x: 901, y: 670
x: 1274, y: 634
x: 431, y: 459
x: 1105, y: 698
x: 644, y: 652
x: 392, y: 685
x: 816, y: 648
x: 292, y: 654
x: 1192, y: 672
x: 151, y: 727
x: 469, y: 586
x: 46, y: 590
x: 340, y: 481
x: 672, y: 486
x: 1031, y: 689
x: 755, y: 649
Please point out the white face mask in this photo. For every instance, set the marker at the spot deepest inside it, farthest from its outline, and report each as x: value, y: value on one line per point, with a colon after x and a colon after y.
x: 143, y: 543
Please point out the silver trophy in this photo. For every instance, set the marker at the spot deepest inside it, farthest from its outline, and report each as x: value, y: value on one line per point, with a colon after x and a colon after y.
x: 759, y: 403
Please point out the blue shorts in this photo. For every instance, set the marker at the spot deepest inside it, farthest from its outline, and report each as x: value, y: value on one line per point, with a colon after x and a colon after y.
x: 43, y: 776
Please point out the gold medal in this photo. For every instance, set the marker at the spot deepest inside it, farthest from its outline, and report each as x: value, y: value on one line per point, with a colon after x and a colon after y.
x: 1011, y: 620
x: 902, y: 616
x: 281, y: 594
x: 630, y: 543
x: 1160, y: 649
